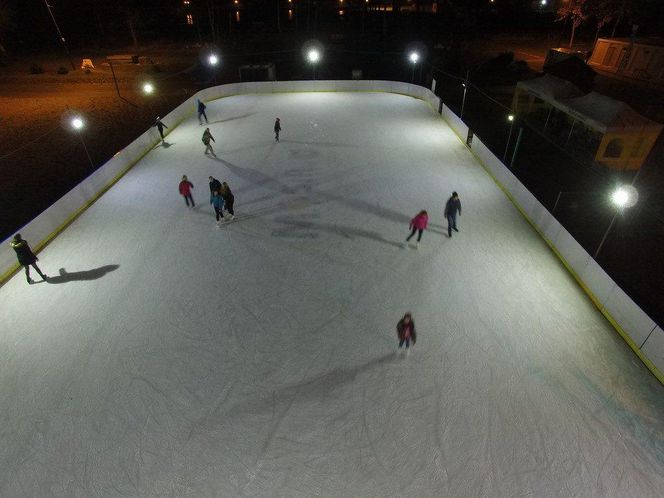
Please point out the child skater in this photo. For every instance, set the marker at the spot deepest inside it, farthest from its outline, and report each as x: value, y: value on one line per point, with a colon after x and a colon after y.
x: 217, y: 202
x: 418, y: 224
x: 406, y: 331
x: 185, y: 191
x: 229, y: 199
x: 277, y: 129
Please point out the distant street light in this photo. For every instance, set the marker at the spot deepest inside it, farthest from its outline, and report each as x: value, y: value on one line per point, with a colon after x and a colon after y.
x: 77, y: 125
x: 213, y: 60
x: 622, y: 198
x: 510, y: 118
x: 148, y: 88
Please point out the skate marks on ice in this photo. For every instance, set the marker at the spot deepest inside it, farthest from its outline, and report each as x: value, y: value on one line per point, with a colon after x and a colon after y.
x: 79, y: 276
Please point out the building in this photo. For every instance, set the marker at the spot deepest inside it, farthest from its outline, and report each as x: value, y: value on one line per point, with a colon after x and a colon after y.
x: 641, y: 59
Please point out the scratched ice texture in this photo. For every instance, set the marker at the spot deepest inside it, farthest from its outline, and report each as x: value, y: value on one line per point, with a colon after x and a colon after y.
x: 172, y: 358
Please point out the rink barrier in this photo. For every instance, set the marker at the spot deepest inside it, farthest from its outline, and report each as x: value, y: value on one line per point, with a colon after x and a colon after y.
x: 47, y: 225
x: 637, y: 329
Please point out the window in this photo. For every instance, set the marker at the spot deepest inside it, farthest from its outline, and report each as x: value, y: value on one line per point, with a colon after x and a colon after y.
x: 614, y: 148
x: 190, y: 19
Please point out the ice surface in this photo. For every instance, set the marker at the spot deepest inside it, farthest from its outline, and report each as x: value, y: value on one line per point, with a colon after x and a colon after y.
x: 259, y: 359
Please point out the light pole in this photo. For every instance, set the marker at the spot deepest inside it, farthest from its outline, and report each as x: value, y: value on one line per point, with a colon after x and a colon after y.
x: 465, y: 89
x: 313, y: 55
x: 622, y: 198
x: 510, y: 118
x: 213, y: 62
x: 62, y: 38
x: 77, y: 124
x: 413, y: 57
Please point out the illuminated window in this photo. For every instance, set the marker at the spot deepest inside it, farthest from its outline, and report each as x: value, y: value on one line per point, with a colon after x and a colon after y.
x: 190, y: 19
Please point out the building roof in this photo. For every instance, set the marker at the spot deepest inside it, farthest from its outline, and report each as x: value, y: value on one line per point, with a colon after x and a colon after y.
x: 605, y: 114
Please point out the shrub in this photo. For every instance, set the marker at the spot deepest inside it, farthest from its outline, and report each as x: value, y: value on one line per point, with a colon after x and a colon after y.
x: 62, y: 70
x: 36, y: 69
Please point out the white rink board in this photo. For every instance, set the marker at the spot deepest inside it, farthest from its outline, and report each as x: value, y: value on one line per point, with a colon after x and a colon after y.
x: 259, y: 359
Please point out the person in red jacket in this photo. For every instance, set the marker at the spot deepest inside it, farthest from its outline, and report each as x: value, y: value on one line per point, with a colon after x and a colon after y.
x: 406, y: 331
x: 185, y: 191
x: 418, y: 224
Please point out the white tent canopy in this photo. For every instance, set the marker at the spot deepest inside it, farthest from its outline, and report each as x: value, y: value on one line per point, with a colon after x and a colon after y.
x: 605, y: 114
x: 550, y: 88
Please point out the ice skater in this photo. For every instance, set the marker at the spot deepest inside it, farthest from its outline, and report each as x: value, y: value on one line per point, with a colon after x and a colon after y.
x: 201, y: 112
x: 214, y: 184
x: 207, y: 136
x: 160, y: 127
x: 217, y: 202
x: 406, y: 331
x: 229, y: 199
x: 418, y: 224
x: 26, y: 258
x: 185, y: 191
x: 452, y: 207
x: 277, y: 129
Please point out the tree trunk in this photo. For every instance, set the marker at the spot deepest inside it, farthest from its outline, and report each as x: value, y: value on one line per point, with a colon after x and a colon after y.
x: 213, y: 31
x: 132, y: 30
x: 278, y: 18
x: 615, y: 26
x: 571, y: 38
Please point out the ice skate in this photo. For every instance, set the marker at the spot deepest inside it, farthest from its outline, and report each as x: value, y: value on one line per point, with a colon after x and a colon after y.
x: 417, y: 245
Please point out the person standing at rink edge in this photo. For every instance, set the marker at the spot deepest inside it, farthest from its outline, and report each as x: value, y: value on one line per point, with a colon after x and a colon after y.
x: 277, y: 129
x: 406, y: 331
x: 207, y: 136
x: 26, y: 258
x: 160, y: 127
x: 201, y: 112
x: 452, y: 207
x: 418, y: 224
x: 185, y: 191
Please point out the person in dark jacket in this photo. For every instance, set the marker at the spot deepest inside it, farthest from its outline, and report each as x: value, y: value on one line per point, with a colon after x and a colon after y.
x: 201, y: 112
x: 160, y: 127
x: 185, y: 191
x: 207, y: 136
x: 26, y: 257
x: 406, y: 330
x: 277, y: 129
x: 229, y: 199
x: 452, y: 207
x: 214, y: 184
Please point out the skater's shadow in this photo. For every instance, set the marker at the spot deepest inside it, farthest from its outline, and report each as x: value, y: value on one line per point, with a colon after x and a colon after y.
x: 241, y: 116
x: 320, y: 387
x: 93, y: 274
x: 165, y: 145
x: 254, y: 177
x: 346, y: 232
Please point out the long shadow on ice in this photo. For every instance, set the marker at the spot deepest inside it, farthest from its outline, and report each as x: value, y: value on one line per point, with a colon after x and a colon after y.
x: 93, y: 274
x: 343, y: 231
x: 319, y: 387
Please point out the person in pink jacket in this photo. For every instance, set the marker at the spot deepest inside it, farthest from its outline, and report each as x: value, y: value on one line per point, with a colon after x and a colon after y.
x: 418, y: 224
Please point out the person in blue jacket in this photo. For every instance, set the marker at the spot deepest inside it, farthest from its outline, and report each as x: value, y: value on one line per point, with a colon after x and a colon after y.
x: 201, y: 112
x: 217, y: 202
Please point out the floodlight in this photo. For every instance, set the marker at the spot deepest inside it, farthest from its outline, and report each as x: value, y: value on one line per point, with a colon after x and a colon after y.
x: 414, y: 57
x: 213, y: 60
x: 313, y: 55
x: 148, y: 88
x: 77, y: 123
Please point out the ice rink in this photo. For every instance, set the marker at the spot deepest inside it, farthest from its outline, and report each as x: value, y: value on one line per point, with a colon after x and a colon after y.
x: 170, y: 358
